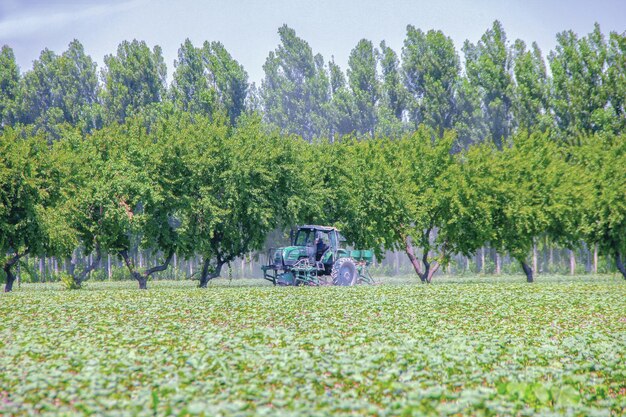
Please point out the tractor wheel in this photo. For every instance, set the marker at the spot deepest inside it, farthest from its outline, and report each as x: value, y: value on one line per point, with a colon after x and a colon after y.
x: 344, y: 272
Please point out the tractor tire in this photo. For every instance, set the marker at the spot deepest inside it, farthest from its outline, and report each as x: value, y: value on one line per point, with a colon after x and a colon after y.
x: 344, y: 272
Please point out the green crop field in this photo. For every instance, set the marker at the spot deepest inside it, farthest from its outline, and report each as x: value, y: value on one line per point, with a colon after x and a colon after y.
x: 458, y: 346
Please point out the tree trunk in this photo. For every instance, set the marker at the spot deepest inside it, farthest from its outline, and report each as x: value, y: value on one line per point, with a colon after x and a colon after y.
x: 498, y: 264
x: 433, y: 268
x: 414, y: 261
x: 130, y: 264
x: 206, y: 276
x: 528, y: 271
x: 8, y: 287
x: 42, y: 269
x: 92, y: 264
x: 572, y: 263
x: 397, y: 263
x: 535, y: 258
x: 142, y: 277
x: 8, y: 271
x: 595, y: 258
x: 544, y: 256
x: 482, y: 260
x: 618, y: 262
x: 551, y: 259
x: 426, y: 275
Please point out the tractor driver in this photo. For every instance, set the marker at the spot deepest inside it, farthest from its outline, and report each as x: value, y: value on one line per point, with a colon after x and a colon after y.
x: 320, y: 244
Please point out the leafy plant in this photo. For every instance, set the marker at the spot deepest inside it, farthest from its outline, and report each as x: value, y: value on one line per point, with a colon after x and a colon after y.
x: 68, y: 282
x: 243, y: 348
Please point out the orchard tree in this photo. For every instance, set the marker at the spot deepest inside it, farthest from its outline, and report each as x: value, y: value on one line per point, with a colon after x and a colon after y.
x: 407, y: 193
x: 237, y: 184
x: 362, y: 193
x: 32, y: 219
x: 600, y: 162
x: 529, y: 191
x: 445, y: 215
x: 70, y: 166
x: 126, y: 200
x: 133, y: 78
x: 107, y: 192
x: 196, y: 156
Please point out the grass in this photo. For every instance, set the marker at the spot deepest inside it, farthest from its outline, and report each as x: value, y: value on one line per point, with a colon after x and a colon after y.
x: 462, y: 346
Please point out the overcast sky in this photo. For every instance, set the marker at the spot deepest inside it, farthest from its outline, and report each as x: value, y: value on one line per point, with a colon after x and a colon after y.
x: 248, y: 29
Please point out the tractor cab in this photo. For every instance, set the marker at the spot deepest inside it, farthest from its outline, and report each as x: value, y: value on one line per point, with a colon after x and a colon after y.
x: 321, y: 242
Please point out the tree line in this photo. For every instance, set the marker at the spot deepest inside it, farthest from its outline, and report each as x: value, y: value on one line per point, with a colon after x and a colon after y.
x: 187, y: 184
x: 497, y: 88
x: 409, y: 152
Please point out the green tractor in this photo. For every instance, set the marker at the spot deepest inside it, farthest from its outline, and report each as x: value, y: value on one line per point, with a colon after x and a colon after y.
x: 316, y: 257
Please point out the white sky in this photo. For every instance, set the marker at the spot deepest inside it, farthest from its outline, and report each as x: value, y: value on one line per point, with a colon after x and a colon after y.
x: 248, y: 29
